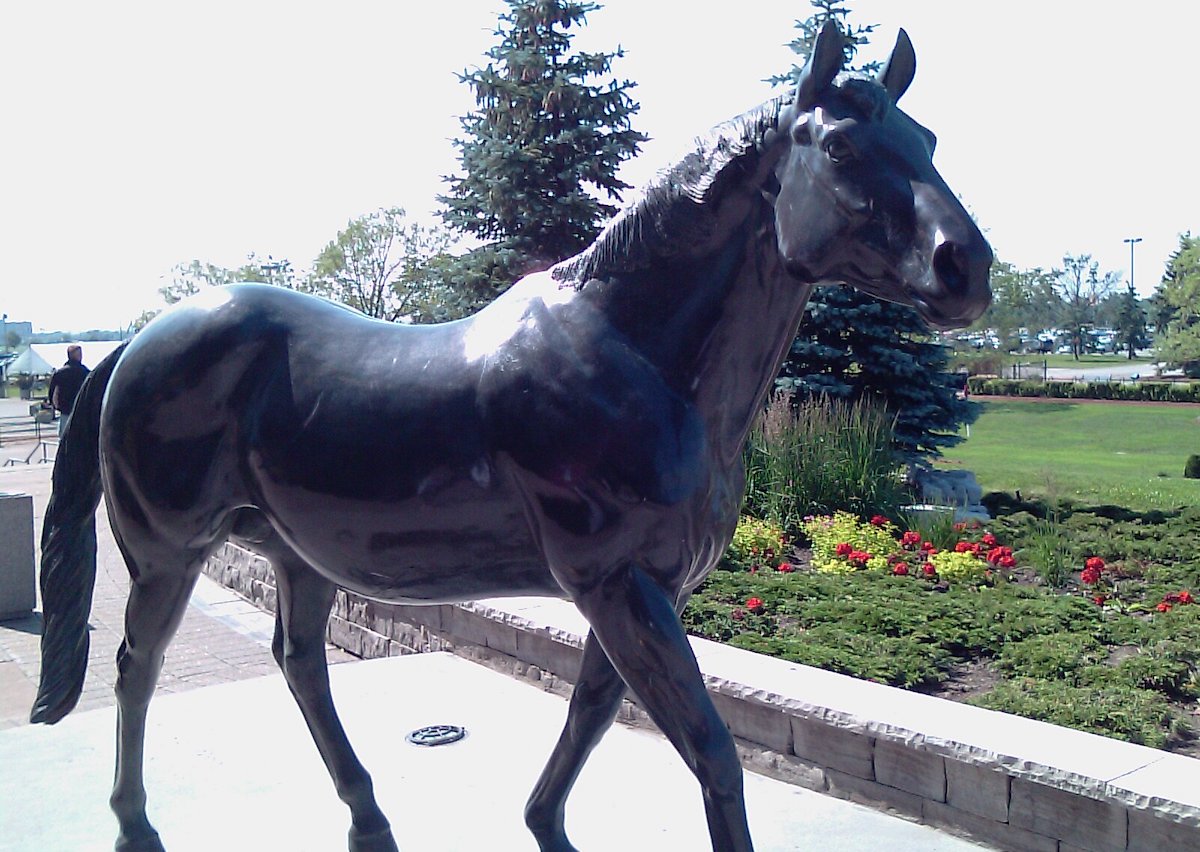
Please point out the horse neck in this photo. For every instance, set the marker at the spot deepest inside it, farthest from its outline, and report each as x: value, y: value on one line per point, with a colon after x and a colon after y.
x: 716, y: 324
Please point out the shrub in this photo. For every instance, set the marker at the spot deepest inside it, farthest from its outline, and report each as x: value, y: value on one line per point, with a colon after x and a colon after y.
x: 1130, y: 391
x: 1136, y: 715
x: 821, y: 456
x: 868, y: 544
x: 756, y: 542
x: 1191, y: 470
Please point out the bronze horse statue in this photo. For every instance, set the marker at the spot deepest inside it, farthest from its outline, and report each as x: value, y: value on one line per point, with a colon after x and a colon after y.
x: 580, y: 437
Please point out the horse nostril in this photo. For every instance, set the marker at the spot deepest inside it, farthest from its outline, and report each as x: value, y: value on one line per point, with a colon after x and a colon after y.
x: 952, y: 267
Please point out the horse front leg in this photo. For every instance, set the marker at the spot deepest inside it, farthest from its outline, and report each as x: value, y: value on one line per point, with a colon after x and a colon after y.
x: 594, y: 704
x: 641, y: 634
x: 305, y: 599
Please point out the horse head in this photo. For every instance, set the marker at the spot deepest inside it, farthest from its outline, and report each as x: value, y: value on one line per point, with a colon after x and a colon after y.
x: 859, y: 199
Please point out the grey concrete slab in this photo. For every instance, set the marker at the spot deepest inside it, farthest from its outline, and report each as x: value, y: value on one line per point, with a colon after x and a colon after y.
x: 232, y: 767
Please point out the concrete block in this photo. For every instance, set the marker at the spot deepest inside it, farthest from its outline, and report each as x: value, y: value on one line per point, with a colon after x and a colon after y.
x: 838, y: 748
x: 989, y: 831
x: 500, y: 637
x: 782, y: 767
x: 909, y: 769
x: 1090, y: 823
x: 17, y: 595
x: 421, y: 616
x: 540, y: 650
x: 873, y: 794
x: 466, y: 626
x: 977, y: 789
x: 1149, y: 832
x: 759, y: 723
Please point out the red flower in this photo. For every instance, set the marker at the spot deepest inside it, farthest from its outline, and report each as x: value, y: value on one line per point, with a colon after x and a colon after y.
x: 1090, y: 576
x: 1094, y: 563
x: 1163, y: 607
x: 755, y: 605
x: 988, y: 539
x: 910, y: 539
x: 859, y: 558
x: 928, y: 549
x: 900, y: 569
x: 1099, y: 599
x: 960, y: 526
x: 964, y: 547
x: 1007, y: 562
x: 880, y: 521
x: 1185, y: 597
x: 785, y: 568
x: 996, y: 554
x: 929, y: 569
x: 843, y: 549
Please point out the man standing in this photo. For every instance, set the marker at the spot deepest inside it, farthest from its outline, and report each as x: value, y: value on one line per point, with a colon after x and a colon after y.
x: 65, y: 384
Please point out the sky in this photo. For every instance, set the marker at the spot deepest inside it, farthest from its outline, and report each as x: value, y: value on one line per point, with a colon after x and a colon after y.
x: 142, y: 135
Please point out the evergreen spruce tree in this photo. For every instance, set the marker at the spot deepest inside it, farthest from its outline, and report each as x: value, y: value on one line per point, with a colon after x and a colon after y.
x: 851, y: 345
x: 541, y: 151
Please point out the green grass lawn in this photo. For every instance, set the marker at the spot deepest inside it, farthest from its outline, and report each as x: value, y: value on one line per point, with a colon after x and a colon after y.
x: 1128, y: 454
x: 1084, y: 360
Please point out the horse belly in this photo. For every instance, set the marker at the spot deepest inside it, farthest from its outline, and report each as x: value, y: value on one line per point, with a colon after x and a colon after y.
x: 420, y: 552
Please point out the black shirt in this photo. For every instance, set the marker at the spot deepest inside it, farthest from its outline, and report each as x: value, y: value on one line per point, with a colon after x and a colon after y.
x: 67, y: 380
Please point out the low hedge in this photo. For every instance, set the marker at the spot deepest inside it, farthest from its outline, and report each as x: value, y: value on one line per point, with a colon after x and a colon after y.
x: 1130, y: 391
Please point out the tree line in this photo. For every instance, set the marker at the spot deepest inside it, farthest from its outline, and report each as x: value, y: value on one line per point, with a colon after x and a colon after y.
x: 1074, y: 299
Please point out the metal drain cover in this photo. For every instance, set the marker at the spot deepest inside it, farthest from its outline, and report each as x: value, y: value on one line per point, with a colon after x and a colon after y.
x: 435, y: 735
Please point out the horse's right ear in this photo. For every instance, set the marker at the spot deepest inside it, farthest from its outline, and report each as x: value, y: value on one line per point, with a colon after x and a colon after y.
x: 822, y: 67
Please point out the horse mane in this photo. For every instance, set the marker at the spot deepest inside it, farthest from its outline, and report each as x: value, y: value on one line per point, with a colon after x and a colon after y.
x: 677, y: 208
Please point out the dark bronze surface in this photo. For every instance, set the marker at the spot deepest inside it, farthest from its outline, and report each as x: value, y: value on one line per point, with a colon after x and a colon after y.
x: 580, y: 437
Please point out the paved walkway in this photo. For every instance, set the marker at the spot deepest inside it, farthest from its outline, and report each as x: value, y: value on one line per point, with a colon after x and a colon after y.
x: 222, y: 639
x: 231, y: 767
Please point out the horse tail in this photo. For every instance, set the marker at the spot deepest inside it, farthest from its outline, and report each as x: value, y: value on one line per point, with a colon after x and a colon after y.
x: 69, y: 551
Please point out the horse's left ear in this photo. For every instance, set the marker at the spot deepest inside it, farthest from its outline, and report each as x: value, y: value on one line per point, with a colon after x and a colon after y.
x: 897, y: 75
x: 822, y: 66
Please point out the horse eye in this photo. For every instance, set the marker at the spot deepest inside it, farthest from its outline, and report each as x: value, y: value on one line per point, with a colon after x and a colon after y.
x: 838, y: 149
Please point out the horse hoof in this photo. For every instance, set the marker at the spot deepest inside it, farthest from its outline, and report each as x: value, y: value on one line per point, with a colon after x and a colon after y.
x: 380, y: 840
x: 144, y: 843
x: 554, y: 842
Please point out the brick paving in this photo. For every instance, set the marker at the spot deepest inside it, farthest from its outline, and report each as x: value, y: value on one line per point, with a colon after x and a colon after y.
x: 222, y: 638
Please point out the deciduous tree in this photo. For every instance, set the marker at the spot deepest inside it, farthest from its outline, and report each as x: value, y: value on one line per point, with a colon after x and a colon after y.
x: 1082, y: 288
x: 377, y: 264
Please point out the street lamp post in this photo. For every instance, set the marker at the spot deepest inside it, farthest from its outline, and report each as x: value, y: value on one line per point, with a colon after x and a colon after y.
x: 1132, y: 242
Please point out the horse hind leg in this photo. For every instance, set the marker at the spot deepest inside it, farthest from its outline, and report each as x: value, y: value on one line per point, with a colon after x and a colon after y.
x: 304, y: 601
x: 163, y: 579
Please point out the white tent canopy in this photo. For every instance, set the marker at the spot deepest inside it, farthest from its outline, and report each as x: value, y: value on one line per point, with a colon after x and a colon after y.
x: 55, y: 354
x: 30, y: 362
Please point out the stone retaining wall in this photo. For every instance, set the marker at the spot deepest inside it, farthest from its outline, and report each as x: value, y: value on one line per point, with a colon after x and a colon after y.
x: 1009, y: 782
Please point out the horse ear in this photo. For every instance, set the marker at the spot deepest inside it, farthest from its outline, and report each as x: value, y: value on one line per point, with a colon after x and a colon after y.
x: 897, y: 75
x: 822, y: 67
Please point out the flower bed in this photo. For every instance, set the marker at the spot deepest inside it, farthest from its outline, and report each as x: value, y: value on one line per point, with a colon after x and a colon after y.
x: 964, y: 612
